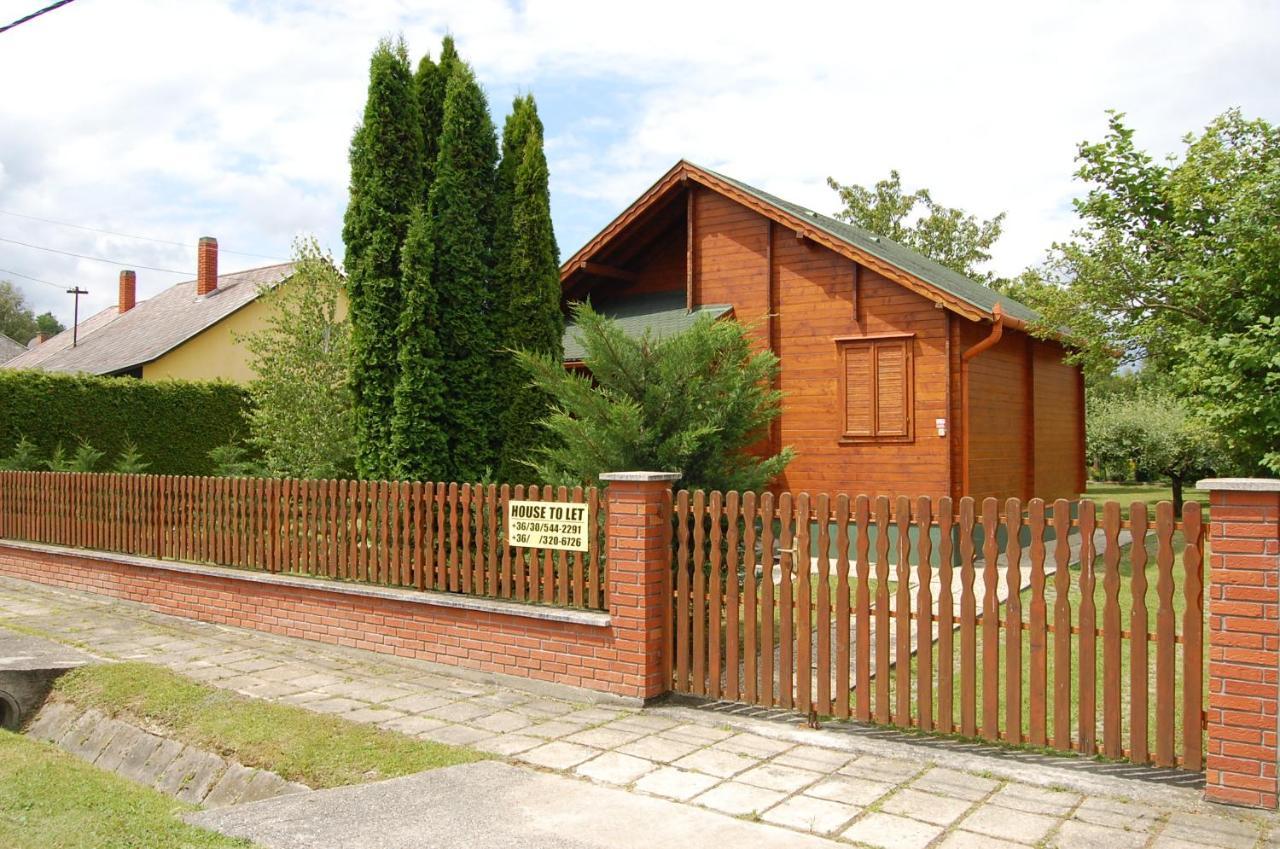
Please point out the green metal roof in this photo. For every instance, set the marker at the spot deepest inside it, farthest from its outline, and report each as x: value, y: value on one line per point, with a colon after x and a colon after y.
x: 899, y: 256
x: 661, y: 313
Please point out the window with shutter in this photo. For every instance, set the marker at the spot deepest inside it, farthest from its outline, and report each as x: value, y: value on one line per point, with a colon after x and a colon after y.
x: 876, y: 388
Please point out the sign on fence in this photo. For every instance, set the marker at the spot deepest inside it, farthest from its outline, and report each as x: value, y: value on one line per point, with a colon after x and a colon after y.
x: 547, y: 524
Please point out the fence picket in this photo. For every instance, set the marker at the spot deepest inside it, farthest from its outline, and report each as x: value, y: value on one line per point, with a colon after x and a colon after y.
x: 946, y: 618
x: 990, y: 620
x: 749, y: 614
x: 767, y: 694
x: 803, y: 603
x: 1192, y: 638
x: 1138, y: 627
x: 823, y: 623
x: 731, y: 601
x: 924, y: 619
x: 1038, y: 637
x: 968, y: 623
x: 715, y: 592
x: 786, y: 604
x: 882, y: 637
x: 698, y: 607
x: 1062, y: 625
x: 1111, y: 741
x: 862, y: 611
x: 1013, y: 621
x: 1087, y: 701
x: 902, y: 616
x: 1165, y: 647
x: 682, y: 600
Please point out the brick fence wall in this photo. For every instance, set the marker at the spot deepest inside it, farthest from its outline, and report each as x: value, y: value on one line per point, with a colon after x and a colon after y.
x: 1244, y: 641
x: 617, y: 653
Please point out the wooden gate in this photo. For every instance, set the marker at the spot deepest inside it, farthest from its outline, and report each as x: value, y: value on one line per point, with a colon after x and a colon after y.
x: 1050, y: 625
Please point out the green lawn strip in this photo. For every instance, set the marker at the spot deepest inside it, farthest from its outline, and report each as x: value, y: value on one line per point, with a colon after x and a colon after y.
x: 49, y: 799
x: 314, y: 749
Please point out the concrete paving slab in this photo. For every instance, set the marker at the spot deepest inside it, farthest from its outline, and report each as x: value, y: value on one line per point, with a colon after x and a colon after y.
x: 522, y: 809
x: 809, y: 814
x: 613, y: 768
x: 886, y: 831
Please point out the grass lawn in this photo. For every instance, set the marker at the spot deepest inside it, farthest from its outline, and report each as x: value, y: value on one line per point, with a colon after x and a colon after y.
x: 52, y: 800
x: 317, y: 750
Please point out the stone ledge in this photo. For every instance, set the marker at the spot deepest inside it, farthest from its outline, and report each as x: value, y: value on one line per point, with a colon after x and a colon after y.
x: 640, y: 477
x: 594, y: 619
x: 1239, y: 485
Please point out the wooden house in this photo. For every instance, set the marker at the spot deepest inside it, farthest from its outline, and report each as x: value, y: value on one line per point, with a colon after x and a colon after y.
x: 899, y: 376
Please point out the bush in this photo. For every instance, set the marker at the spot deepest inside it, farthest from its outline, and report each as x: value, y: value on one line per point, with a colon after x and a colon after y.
x: 173, y: 424
x: 698, y: 402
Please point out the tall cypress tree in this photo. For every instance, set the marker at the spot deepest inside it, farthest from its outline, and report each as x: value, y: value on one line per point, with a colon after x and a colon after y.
x: 461, y: 211
x: 529, y: 282
x: 386, y: 171
x: 430, y: 80
x: 419, y: 441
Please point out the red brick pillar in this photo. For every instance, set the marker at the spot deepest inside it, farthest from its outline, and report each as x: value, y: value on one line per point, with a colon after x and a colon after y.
x: 1244, y: 641
x: 639, y: 534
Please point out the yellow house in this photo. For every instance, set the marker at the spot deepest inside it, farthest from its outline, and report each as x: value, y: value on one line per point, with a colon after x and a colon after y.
x: 189, y: 331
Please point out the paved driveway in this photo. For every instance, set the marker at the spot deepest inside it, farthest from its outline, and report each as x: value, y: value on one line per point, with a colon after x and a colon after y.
x: 850, y: 787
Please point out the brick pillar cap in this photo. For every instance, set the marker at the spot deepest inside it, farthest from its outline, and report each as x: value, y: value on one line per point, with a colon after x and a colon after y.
x: 641, y: 477
x: 1239, y: 484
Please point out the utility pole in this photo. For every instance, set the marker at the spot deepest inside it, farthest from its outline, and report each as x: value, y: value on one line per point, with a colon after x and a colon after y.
x: 75, y: 320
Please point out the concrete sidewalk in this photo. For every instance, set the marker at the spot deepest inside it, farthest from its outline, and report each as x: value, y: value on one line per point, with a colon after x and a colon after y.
x: 844, y: 784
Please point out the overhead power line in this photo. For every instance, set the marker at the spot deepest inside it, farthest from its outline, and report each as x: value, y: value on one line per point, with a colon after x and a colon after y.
x: 32, y: 279
x: 37, y: 13
x: 131, y: 236
x: 97, y: 258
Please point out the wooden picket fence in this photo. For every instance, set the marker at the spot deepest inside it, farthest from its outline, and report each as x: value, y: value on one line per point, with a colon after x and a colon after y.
x: 430, y: 536
x: 899, y: 618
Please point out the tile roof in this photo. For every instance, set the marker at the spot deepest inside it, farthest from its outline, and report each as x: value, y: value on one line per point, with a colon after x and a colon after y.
x: 661, y: 313
x: 970, y: 291
x: 10, y: 348
x: 110, y: 342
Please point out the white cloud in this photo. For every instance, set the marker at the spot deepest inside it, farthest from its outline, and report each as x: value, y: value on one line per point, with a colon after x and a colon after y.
x: 178, y: 120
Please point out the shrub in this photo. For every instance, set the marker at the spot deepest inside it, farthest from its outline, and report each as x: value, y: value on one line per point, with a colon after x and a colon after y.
x: 697, y: 402
x: 172, y: 423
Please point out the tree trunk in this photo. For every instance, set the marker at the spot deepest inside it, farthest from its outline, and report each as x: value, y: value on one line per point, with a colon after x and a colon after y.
x: 1176, y: 480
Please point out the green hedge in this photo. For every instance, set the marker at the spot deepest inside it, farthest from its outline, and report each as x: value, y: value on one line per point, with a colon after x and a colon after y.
x: 174, y: 423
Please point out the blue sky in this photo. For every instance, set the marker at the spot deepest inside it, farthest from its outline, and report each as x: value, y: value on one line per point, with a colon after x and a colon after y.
x: 176, y: 120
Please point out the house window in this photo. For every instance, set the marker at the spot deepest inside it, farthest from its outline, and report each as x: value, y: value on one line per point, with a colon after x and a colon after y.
x: 876, y: 388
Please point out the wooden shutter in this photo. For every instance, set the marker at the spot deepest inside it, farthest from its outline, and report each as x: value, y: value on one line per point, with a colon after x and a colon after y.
x: 891, y: 389
x: 859, y: 394
x: 875, y: 388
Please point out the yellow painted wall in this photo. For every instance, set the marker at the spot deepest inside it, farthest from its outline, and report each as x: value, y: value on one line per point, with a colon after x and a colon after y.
x: 214, y: 353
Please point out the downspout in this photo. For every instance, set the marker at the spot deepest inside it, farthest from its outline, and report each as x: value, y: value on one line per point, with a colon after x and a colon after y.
x: 997, y: 331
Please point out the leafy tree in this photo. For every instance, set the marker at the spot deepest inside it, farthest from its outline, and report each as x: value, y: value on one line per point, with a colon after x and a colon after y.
x: 695, y: 402
x: 462, y: 210
x: 419, y: 440
x: 1177, y: 266
x: 48, y: 325
x: 528, y: 272
x: 947, y: 235
x: 1152, y: 434
x: 16, y: 318
x: 301, y: 420
x: 386, y: 175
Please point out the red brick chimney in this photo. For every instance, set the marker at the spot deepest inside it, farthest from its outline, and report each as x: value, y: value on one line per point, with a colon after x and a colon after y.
x: 207, y: 265
x: 128, y: 291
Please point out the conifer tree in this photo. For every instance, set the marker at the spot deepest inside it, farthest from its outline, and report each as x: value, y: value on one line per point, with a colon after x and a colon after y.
x: 430, y: 81
x: 529, y: 286
x: 461, y: 211
x: 386, y: 173
x: 419, y: 443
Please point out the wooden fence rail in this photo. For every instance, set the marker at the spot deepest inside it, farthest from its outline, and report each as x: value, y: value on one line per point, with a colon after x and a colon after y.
x: 429, y: 536
x: 959, y: 618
